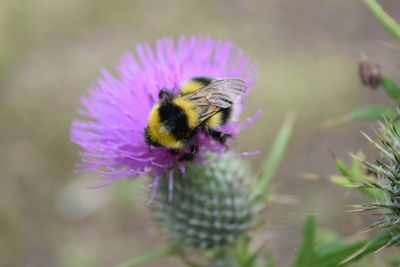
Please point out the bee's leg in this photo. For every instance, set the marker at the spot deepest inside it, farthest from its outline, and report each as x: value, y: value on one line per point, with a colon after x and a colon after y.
x: 194, y: 149
x: 191, y: 155
x: 174, y: 151
x: 219, y: 136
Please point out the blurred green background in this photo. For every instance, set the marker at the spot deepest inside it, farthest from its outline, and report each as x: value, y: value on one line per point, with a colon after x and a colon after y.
x: 51, y: 51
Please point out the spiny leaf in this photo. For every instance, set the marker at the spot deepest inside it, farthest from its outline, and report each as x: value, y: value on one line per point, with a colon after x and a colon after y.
x: 335, y: 254
x: 371, y: 246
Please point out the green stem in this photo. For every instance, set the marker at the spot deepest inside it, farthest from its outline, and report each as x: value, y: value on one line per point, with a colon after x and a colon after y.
x: 157, y: 254
x: 388, y: 22
x: 275, y: 157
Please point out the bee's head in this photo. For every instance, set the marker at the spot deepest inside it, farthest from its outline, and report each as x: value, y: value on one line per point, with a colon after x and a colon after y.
x: 165, y: 95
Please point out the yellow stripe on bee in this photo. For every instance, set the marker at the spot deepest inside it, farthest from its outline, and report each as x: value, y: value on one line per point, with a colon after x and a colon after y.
x: 158, y: 132
x: 215, y: 121
x: 189, y: 109
x: 191, y: 86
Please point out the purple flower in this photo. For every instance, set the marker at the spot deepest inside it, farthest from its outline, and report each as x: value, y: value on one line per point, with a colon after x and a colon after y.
x: 117, y: 108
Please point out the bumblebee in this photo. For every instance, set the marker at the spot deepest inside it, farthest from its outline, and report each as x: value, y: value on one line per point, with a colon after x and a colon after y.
x: 203, y: 104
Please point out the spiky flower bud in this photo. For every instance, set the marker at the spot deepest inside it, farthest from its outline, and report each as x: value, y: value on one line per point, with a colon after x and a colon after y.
x: 387, y: 185
x: 211, y: 205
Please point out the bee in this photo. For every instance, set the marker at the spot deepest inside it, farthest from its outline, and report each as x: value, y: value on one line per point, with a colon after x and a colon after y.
x: 203, y: 104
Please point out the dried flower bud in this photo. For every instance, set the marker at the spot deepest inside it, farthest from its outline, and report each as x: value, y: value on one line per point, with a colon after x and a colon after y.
x: 370, y: 72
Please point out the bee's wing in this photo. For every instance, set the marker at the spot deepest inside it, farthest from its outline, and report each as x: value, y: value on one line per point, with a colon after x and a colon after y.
x: 221, y: 93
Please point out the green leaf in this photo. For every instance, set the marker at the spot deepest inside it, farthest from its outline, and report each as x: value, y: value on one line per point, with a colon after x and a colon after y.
x: 366, y: 190
x: 357, y: 165
x: 355, y: 178
x: 376, y: 243
x: 251, y: 260
x: 332, y: 256
x: 269, y: 260
x: 391, y: 87
x: 340, y: 180
x: 243, y: 254
x: 388, y: 22
x: 306, y: 254
x: 342, y: 167
x: 274, y: 159
x: 243, y: 248
x: 374, y: 113
x: 393, y: 261
x: 335, y: 252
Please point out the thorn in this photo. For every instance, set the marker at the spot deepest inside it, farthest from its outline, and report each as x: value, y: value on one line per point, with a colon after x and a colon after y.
x: 356, y: 157
x: 335, y: 121
x: 311, y: 176
x: 367, y: 136
x: 365, y: 230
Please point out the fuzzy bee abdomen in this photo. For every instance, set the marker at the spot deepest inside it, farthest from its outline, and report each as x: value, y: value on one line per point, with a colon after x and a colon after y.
x: 219, y: 119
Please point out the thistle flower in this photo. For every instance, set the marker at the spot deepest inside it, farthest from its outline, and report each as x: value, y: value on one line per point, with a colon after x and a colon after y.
x: 117, y: 108
x: 387, y: 185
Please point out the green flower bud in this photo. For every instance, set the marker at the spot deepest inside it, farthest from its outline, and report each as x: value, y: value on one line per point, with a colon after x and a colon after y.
x: 211, y: 205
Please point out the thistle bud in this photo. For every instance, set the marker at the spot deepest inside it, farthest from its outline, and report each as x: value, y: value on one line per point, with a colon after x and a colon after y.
x: 211, y: 205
